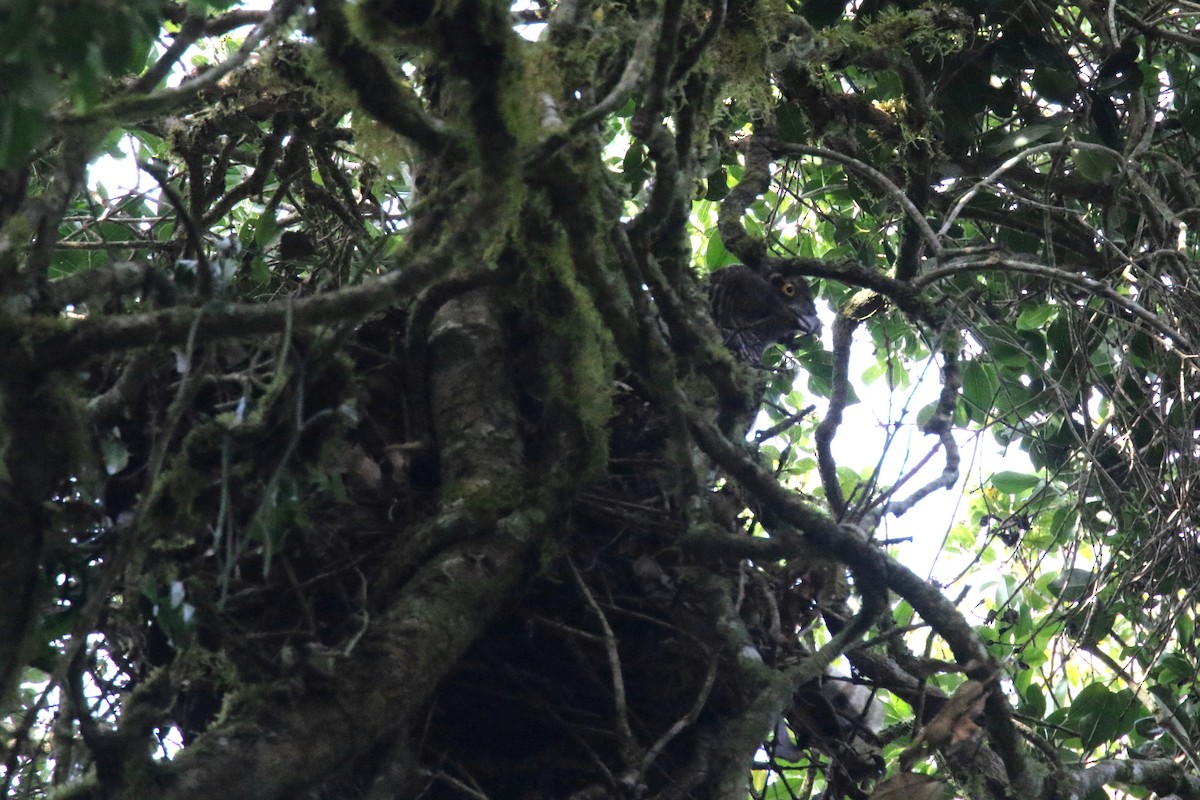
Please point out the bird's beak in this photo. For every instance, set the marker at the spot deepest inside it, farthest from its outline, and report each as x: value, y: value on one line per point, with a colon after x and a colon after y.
x: 808, y: 323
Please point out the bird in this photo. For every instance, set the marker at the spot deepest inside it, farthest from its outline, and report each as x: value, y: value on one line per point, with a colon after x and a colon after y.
x: 752, y: 312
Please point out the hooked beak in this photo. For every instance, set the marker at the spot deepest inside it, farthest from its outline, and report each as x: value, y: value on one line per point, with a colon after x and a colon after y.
x: 808, y: 323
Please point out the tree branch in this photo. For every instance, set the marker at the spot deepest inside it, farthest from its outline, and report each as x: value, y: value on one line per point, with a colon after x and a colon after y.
x: 74, y: 341
x: 858, y: 553
x: 1000, y: 262
x: 1162, y: 776
x: 780, y: 148
x: 393, y: 105
x: 137, y: 107
x: 843, y: 331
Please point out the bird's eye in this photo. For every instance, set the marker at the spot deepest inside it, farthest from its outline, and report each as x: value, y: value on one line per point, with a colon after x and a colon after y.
x: 789, y: 289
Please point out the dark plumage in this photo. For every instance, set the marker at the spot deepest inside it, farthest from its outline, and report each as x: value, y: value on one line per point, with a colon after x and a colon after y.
x: 752, y: 311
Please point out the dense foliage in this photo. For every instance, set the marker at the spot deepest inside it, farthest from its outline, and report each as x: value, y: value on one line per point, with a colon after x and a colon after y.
x: 375, y: 439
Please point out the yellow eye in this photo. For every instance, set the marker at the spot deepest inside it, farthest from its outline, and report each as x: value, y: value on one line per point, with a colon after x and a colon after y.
x: 789, y: 289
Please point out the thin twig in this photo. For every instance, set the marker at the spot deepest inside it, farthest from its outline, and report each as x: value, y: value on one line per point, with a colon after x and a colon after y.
x: 133, y: 108
x: 999, y: 262
x: 614, y: 657
x: 780, y: 148
x: 204, y: 275
x: 683, y: 722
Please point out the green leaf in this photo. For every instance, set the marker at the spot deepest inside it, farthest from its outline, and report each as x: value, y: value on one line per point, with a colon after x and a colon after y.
x: 1186, y: 628
x: 1175, y: 670
x: 21, y: 130
x: 888, y: 86
x: 1095, y: 165
x: 1006, y: 353
x: 715, y: 255
x: 1030, y: 134
x: 1033, y: 702
x: 980, y: 384
x: 792, y: 124
x: 260, y: 270
x: 1100, y: 715
x: 1057, y: 85
x: 716, y: 185
x: 266, y: 229
x: 1087, y: 714
x: 1014, y: 482
x: 1073, y: 584
x: 1034, y: 318
x: 634, y: 165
